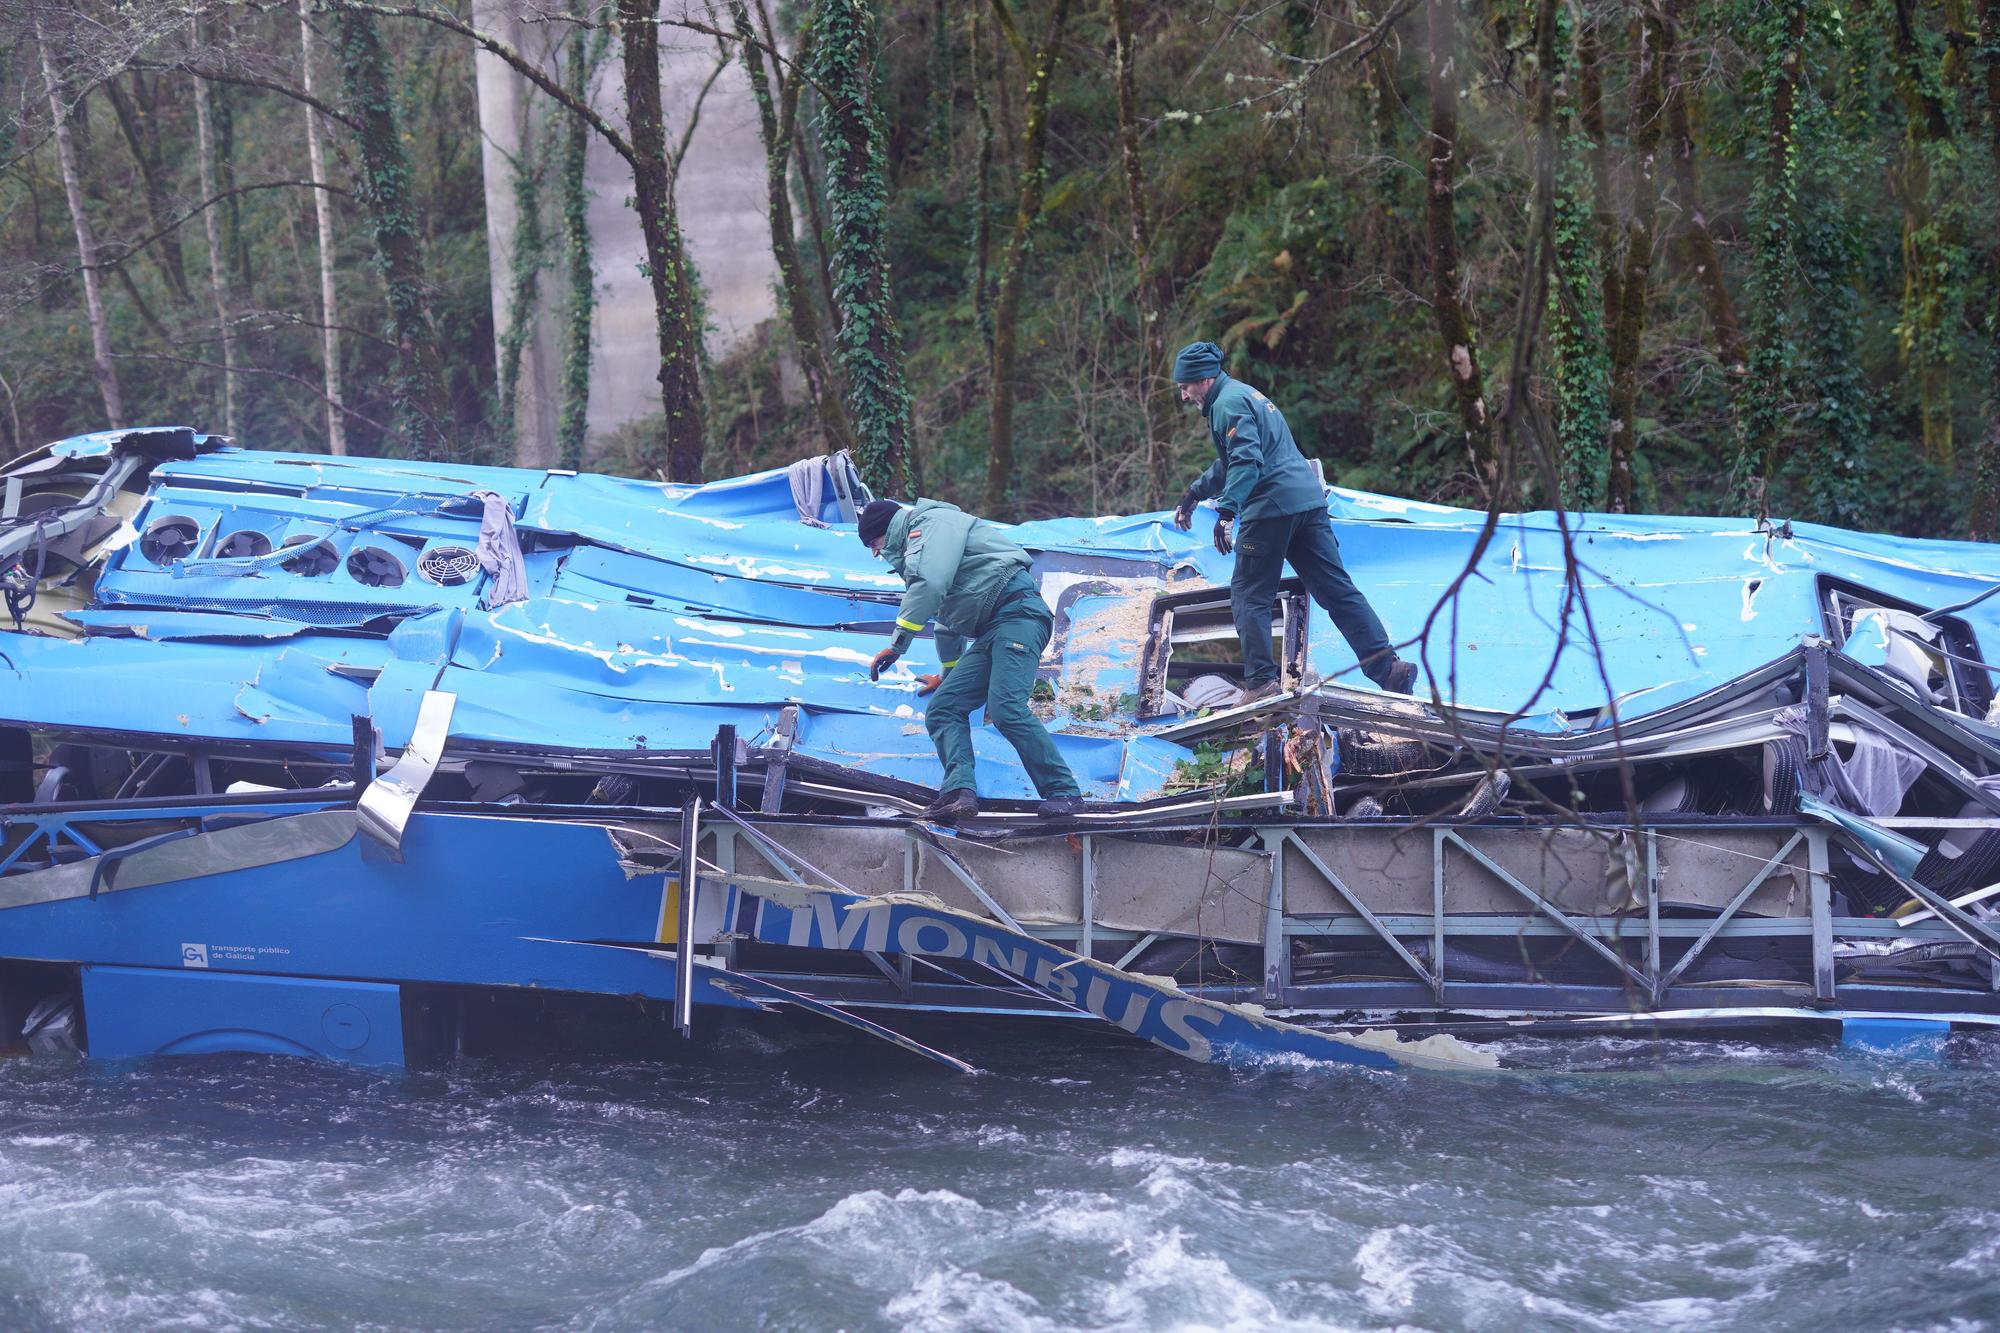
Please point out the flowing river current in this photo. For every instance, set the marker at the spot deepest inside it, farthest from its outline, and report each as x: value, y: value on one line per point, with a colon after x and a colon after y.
x: 810, y: 1182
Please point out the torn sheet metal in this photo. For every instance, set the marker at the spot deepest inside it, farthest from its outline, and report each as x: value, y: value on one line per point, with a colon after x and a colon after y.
x: 386, y: 804
x: 650, y: 614
x: 1158, y: 1011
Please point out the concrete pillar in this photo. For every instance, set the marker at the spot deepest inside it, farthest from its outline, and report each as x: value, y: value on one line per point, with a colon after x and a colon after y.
x: 509, y: 109
x: 720, y: 195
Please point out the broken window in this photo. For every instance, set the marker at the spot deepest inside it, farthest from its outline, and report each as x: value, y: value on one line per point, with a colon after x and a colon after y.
x: 1193, y: 634
x: 1936, y: 656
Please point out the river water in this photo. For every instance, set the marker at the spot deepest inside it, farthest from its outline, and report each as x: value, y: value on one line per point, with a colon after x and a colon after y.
x: 810, y: 1182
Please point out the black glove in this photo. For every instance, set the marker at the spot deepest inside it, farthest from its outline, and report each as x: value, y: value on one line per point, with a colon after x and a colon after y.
x: 883, y: 661
x: 1225, y: 533
x: 1184, y: 515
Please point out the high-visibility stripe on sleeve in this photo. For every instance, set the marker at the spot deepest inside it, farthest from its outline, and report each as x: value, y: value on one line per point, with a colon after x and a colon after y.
x: 949, y: 665
x: 904, y: 624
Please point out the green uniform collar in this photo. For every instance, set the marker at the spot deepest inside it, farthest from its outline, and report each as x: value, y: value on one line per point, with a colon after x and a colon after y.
x: 1214, y: 391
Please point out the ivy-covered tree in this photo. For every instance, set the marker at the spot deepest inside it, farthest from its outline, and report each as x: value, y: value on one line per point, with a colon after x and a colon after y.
x: 1649, y: 56
x: 1985, y: 507
x: 582, y: 53
x: 1774, y: 36
x: 1582, y: 368
x: 525, y: 265
x: 675, y: 320
x: 851, y: 140
x: 423, y: 417
x: 1927, y: 185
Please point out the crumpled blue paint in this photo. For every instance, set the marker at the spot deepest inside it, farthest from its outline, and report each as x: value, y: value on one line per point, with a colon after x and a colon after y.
x: 658, y: 612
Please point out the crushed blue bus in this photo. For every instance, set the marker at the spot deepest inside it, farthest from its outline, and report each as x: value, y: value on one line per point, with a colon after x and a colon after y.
x: 345, y: 757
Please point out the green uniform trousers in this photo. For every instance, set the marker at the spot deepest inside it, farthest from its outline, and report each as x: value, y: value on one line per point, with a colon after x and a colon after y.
x: 997, y: 669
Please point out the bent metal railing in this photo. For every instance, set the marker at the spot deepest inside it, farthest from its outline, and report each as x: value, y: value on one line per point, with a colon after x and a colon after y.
x: 1639, y: 961
x: 1635, y: 945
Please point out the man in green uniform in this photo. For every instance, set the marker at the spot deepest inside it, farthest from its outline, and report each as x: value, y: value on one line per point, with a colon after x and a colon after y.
x: 992, y: 625
x: 1270, y: 508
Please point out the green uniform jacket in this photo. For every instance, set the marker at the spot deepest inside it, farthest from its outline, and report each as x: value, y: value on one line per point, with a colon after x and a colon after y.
x: 956, y: 567
x: 1258, y: 471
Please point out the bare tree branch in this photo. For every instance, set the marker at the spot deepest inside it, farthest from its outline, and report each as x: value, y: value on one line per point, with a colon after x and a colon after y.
x: 303, y: 383
x: 134, y: 247
x: 244, y: 81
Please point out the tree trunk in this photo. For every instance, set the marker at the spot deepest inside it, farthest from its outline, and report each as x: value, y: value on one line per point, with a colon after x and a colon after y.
x: 775, y: 122
x: 1828, y: 246
x: 1649, y: 53
x: 1702, y: 255
x: 138, y: 125
x: 1589, y: 54
x: 1014, y: 263
x: 1761, y: 425
x: 1986, y: 467
x: 982, y: 198
x: 525, y: 262
x: 86, y: 240
x: 382, y: 184
x: 666, y: 254
x: 817, y: 231
x: 1152, y: 321
x: 943, y: 84
x: 218, y: 268
x: 573, y: 420
x: 871, y: 349
x: 236, y: 242
x: 1461, y: 358
x: 1575, y: 311
x: 329, y: 302
x: 1930, y: 234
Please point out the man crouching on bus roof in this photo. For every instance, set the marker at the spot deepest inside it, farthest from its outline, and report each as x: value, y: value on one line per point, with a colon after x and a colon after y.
x: 992, y: 625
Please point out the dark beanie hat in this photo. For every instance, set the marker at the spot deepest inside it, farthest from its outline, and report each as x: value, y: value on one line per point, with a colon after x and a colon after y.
x: 1197, y: 361
x: 874, y: 521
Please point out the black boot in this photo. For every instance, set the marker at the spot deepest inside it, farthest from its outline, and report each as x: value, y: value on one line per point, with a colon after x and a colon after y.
x: 1059, y: 807
x: 952, y: 806
x: 1402, y: 678
x: 1256, y: 694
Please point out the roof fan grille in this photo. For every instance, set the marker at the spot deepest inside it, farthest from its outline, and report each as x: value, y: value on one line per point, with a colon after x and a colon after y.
x: 448, y: 566
x: 375, y: 567
x: 169, y: 539
x: 314, y: 560
x: 244, y: 543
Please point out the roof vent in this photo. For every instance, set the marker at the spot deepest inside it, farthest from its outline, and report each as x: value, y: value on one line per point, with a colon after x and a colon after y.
x: 375, y: 567
x: 313, y: 561
x: 243, y: 544
x: 448, y: 566
x: 169, y: 539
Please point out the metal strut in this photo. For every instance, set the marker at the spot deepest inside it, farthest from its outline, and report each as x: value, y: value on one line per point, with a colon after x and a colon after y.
x: 684, y: 935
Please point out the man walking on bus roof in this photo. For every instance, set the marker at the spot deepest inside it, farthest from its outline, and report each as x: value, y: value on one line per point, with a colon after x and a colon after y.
x: 1270, y: 508
x: 992, y: 625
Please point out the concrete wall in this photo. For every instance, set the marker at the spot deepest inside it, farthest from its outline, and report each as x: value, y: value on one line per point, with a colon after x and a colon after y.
x: 720, y: 195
